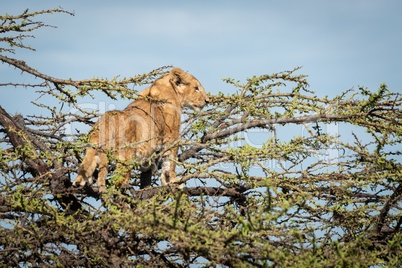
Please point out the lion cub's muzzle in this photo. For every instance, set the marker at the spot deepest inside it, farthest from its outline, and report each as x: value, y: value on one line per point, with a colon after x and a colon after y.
x: 198, y: 107
x: 206, y: 101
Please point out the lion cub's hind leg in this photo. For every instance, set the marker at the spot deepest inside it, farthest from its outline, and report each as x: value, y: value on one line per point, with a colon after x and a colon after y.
x: 126, y: 172
x: 102, y: 173
x: 87, y: 168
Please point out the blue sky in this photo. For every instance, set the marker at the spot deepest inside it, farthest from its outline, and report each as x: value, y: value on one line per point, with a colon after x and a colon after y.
x: 340, y: 44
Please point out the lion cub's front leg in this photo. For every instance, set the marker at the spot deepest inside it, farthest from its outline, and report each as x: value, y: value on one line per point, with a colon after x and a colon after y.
x: 168, y: 168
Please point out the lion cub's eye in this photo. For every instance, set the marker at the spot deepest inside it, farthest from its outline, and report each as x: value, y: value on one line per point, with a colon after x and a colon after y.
x: 196, y: 88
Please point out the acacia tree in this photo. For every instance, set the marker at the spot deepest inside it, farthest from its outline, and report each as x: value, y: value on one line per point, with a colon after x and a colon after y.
x: 310, y: 198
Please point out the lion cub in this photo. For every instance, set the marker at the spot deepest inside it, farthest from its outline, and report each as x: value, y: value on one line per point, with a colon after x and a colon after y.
x: 144, y: 127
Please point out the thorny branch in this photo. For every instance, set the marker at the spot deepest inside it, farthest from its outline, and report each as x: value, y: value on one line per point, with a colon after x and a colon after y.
x: 309, y: 198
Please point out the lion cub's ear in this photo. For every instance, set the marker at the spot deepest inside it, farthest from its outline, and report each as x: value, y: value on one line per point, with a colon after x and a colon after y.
x: 178, y: 77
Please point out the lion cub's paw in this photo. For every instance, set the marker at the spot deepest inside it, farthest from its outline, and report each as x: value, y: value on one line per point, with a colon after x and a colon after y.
x: 81, y: 182
x: 102, y: 189
x: 78, y: 183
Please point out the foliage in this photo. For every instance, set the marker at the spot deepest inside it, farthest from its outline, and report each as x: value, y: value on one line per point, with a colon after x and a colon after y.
x: 300, y: 195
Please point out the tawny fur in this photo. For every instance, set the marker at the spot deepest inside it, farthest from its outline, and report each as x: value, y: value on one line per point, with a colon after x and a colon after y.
x: 143, y: 128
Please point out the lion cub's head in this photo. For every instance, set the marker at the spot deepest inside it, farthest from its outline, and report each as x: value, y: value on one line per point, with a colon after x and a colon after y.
x: 181, y: 86
x: 191, y: 94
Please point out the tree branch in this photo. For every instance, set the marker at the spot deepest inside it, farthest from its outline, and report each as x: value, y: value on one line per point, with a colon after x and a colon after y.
x: 20, y: 139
